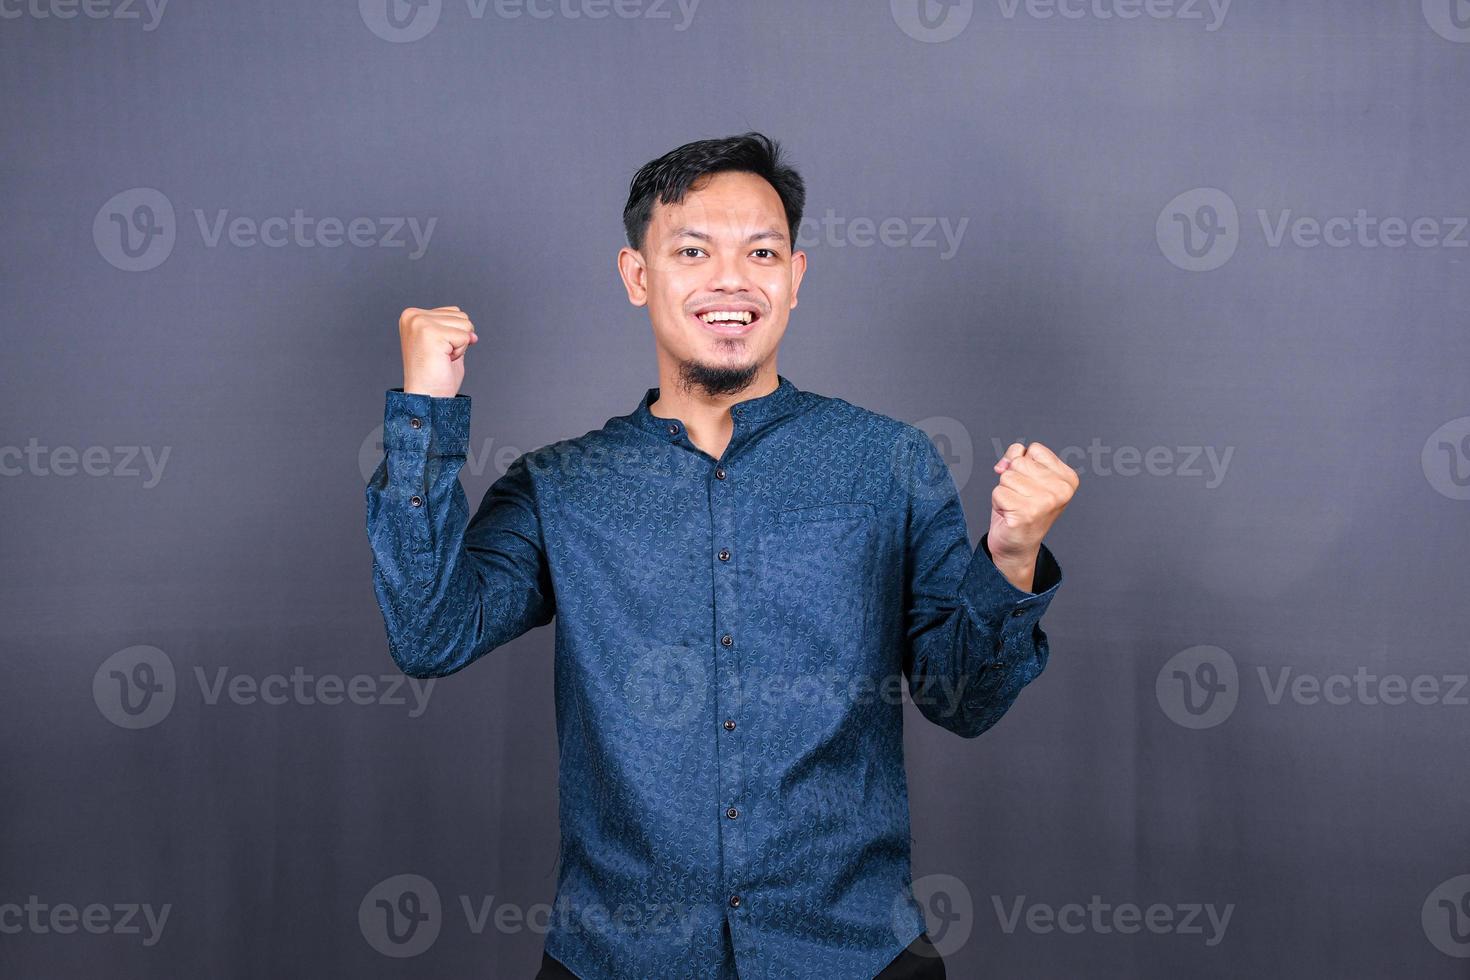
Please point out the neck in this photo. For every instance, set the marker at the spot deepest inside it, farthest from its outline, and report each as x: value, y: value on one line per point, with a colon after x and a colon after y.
x: 706, y: 415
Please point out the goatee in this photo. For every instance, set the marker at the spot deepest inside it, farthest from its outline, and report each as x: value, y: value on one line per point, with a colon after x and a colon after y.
x: 716, y: 380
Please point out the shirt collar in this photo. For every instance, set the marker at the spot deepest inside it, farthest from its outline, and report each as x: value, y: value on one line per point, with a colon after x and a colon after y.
x: 751, y: 411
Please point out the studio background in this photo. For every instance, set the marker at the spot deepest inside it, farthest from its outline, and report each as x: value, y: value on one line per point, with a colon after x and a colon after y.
x: 1079, y: 224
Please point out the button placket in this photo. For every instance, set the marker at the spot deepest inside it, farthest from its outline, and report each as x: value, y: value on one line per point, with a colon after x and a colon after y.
x: 724, y: 531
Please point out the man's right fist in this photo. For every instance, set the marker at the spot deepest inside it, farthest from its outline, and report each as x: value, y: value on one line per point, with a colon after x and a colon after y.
x: 434, y: 344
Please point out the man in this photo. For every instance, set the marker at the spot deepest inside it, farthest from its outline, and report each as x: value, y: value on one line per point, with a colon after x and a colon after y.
x: 744, y: 575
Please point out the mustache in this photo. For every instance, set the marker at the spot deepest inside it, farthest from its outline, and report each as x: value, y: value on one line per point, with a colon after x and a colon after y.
x: 763, y: 308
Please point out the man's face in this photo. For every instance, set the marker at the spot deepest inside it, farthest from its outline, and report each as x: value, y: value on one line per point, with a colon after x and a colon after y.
x: 719, y: 258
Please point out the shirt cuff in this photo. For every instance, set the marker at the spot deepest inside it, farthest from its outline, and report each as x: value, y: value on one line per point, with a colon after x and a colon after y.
x: 993, y: 600
x: 425, y: 424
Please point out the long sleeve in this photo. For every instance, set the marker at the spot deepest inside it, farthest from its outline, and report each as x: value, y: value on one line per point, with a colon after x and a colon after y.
x: 450, y: 590
x: 973, y: 639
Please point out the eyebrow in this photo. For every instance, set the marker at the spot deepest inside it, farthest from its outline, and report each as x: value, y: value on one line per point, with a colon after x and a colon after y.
x: 755, y: 237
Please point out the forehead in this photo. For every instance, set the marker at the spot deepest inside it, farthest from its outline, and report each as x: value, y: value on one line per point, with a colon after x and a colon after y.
x: 731, y: 204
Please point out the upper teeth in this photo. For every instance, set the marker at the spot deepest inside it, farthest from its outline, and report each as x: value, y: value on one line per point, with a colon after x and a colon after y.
x: 739, y: 316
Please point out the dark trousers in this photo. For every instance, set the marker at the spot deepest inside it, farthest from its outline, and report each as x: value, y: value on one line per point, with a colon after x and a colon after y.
x: 918, y: 961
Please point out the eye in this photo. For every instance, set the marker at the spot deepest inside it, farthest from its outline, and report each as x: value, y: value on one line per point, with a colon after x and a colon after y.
x: 769, y: 252
x: 690, y: 248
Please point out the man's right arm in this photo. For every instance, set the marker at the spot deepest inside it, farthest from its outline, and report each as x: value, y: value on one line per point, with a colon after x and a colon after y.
x: 450, y: 591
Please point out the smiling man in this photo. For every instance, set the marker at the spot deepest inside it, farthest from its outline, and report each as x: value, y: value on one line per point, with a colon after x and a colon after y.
x: 745, y: 576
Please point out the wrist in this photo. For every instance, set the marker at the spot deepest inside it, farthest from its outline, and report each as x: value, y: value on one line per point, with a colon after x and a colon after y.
x: 411, y: 387
x: 1020, y: 574
x: 1019, y: 570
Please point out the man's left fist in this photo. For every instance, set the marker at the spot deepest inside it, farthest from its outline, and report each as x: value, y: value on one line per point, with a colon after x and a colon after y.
x: 1034, y: 488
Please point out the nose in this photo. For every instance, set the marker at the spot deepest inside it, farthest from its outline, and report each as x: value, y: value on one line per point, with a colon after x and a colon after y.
x: 728, y: 274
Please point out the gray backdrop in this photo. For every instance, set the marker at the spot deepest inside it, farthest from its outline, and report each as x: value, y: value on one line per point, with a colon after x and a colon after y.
x: 1216, y: 253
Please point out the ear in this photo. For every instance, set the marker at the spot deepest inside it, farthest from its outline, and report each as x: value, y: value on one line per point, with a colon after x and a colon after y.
x: 798, y: 271
x: 634, y: 273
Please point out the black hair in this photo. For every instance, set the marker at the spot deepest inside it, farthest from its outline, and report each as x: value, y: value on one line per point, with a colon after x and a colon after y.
x: 669, y: 177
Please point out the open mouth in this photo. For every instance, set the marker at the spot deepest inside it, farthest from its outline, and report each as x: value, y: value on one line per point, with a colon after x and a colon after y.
x: 728, y: 322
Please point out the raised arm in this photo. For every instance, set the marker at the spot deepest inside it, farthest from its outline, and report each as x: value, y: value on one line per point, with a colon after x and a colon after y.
x: 450, y: 589
x: 973, y: 638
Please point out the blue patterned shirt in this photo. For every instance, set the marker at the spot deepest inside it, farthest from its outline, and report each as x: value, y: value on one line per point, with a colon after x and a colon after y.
x: 733, y: 640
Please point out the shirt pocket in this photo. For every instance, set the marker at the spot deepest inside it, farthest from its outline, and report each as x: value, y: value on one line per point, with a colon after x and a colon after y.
x: 825, y: 512
x: 817, y: 580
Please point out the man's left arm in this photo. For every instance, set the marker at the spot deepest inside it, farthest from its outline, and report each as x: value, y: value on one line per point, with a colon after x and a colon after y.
x: 973, y: 636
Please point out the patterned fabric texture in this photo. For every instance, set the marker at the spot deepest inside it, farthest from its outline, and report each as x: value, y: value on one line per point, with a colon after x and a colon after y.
x: 733, y: 641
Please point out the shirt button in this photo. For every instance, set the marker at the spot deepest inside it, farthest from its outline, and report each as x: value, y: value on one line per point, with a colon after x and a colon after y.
x: 734, y: 901
x: 416, y: 500
x: 416, y: 422
x: 724, y: 554
x: 1017, y: 612
x: 732, y: 813
x: 729, y: 724
x: 719, y: 473
x: 726, y: 640
x: 673, y: 429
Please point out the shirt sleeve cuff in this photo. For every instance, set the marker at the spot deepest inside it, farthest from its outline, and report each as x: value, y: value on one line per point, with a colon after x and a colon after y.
x: 993, y: 600
x: 425, y: 424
